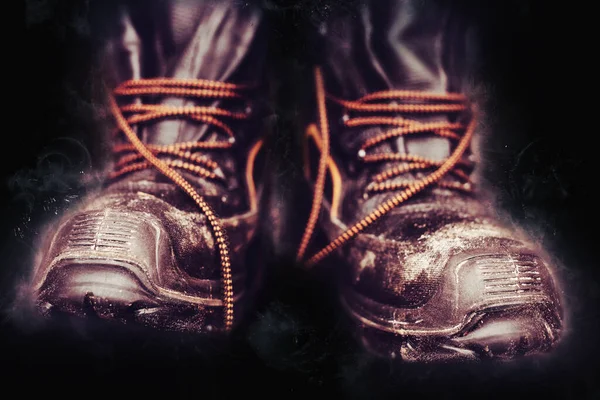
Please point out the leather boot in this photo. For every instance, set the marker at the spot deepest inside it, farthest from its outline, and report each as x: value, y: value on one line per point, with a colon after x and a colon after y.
x: 165, y: 241
x: 426, y: 270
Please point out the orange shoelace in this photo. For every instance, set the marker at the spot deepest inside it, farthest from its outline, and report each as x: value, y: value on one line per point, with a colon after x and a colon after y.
x: 391, y: 101
x: 138, y: 156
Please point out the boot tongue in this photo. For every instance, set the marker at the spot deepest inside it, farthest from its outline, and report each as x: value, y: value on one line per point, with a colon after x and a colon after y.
x: 396, y: 45
x: 186, y: 40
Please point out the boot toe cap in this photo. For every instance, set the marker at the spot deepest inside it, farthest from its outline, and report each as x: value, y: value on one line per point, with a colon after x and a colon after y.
x: 483, y: 305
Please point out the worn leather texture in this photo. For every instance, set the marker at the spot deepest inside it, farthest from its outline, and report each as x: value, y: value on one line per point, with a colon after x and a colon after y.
x: 405, y: 259
x: 141, y: 225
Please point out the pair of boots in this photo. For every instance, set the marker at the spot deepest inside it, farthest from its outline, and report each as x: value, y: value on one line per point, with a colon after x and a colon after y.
x: 425, y: 271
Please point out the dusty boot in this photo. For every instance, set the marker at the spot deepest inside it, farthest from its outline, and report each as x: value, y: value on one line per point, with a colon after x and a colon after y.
x: 426, y: 272
x: 164, y: 243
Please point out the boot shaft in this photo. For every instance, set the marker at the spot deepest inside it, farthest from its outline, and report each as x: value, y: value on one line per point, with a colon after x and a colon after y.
x: 395, y: 45
x: 181, y: 41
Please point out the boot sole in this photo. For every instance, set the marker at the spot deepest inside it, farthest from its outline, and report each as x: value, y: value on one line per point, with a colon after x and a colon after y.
x: 502, y: 333
x: 115, y: 293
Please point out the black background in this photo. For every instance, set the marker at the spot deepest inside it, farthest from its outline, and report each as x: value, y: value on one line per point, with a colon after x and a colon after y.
x: 537, y: 67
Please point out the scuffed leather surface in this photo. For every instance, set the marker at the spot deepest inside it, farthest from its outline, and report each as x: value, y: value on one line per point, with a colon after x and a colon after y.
x: 192, y: 240
x: 216, y: 40
x: 401, y: 259
x: 181, y: 240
